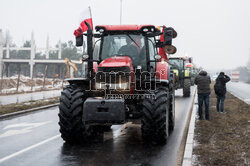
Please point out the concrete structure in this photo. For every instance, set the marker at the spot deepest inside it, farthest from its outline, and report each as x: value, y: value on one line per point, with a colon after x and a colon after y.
x: 188, y: 153
x: 5, y: 60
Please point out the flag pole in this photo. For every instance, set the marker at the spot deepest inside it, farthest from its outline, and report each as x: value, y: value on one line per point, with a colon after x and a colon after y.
x: 93, y: 39
x: 121, y: 12
x: 91, y: 15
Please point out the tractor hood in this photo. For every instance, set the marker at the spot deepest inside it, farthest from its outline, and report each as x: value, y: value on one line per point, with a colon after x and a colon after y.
x: 118, y: 61
x: 119, y: 65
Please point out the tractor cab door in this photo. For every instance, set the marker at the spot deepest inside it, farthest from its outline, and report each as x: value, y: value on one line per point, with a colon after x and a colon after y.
x: 152, y: 52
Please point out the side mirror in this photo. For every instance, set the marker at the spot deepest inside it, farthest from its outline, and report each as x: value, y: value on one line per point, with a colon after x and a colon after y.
x: 79, y: 41
x: 174, y: 32
x: 170, y: 49
x: 169, y: 34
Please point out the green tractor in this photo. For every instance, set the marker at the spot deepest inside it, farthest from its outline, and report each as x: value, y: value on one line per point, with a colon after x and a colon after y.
x: 193, y: 71
x: 182, y: 74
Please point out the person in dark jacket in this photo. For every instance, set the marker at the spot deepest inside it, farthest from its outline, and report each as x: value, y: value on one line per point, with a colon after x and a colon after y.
x: 222, y: 79
x: 203, y: 82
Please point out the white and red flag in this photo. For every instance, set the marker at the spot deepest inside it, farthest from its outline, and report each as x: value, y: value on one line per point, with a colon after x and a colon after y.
x: 85, y: 16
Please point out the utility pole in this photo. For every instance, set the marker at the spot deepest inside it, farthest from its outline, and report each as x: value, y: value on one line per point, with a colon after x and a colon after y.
x: 248, y: 63
x: 121, y: 12
x: 1, y: 53
x: 248, y: 66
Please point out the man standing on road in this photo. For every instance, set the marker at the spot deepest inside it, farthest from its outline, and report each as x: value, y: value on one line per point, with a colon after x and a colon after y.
x: 220, y: 90
x: 203, y: 82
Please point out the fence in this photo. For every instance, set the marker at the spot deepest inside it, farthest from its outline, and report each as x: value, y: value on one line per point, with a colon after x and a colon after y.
x: 20, y: 84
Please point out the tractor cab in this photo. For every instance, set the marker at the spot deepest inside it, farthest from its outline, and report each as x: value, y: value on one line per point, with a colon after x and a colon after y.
x: 131, y: 46
x: 177, y: 65
x: 129, y: 49
x: 182, y: 74
x: 127, y: 42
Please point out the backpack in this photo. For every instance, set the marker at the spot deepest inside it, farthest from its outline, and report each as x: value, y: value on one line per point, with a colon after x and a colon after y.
x: 218, y: 88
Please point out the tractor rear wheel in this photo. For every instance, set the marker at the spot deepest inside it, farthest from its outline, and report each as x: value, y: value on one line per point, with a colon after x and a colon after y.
x: 155, y: 119
x: 186, y: 87
x: 70, y: 115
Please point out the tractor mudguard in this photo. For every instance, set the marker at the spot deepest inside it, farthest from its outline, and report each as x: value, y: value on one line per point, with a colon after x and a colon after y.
x: 83, y: 82
x: 163, y: 83
x: 100, y: 111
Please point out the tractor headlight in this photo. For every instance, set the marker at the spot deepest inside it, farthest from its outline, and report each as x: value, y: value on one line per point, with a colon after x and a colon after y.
x: 123, y: 86
x: 99, y: 85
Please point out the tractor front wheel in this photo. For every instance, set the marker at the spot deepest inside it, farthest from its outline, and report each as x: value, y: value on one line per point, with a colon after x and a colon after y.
x: 70, y: 115
x: 186, y: 87
x: 155, y: 119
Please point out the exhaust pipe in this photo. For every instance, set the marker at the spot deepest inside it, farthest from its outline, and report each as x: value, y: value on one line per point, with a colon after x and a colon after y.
x: 90, y: 51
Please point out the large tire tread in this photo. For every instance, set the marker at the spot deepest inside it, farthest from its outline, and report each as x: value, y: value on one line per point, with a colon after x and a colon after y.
x: 155, y: 117
x: 186, y: 87
x: 70, y: 115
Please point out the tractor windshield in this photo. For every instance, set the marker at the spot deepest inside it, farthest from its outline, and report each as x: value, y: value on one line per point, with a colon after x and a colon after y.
x: 125, y: 45
x: 176, y: 63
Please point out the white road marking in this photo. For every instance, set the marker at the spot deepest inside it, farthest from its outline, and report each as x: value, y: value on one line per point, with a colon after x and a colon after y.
x: 28, y: 128
x: 25, y: 124
x: 28, y: 148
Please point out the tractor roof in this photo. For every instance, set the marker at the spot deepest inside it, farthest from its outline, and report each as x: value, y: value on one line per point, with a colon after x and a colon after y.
x: 122, y: 28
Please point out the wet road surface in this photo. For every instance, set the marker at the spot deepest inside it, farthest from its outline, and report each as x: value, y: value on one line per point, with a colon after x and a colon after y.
x: 34, y: 139
x: 240, y: 90
x: 18, y: 98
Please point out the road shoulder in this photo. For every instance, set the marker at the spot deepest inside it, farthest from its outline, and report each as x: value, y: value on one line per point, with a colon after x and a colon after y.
x: 223, y: 140
x: 26, y: 107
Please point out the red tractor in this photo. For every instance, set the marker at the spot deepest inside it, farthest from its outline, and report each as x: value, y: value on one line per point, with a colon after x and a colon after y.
x: 126, y: 80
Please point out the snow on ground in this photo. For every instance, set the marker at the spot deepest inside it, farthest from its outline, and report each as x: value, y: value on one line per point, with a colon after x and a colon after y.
x: 240, y: 90
x: 25, y: 97
x: 8, y: 85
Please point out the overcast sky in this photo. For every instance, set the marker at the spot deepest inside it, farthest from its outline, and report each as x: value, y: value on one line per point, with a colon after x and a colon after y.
x: 216, y: 33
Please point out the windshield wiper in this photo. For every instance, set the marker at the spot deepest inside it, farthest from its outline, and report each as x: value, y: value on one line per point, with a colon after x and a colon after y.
x: 133, y: 40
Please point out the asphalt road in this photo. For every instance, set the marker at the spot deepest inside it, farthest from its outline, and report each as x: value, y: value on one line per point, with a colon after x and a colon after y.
x: 34, y: 139
x: 18, y: 98
x: 240, y: 90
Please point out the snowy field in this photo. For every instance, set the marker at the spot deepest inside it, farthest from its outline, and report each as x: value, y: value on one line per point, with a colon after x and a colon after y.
x: 8, y: 85
x: 240, y: 90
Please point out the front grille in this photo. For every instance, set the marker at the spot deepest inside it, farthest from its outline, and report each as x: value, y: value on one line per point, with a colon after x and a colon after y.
x: 113, y: 76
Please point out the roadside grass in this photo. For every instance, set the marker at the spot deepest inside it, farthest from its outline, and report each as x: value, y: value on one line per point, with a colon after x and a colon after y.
x: 4, y: 109
x: 224, y: 140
